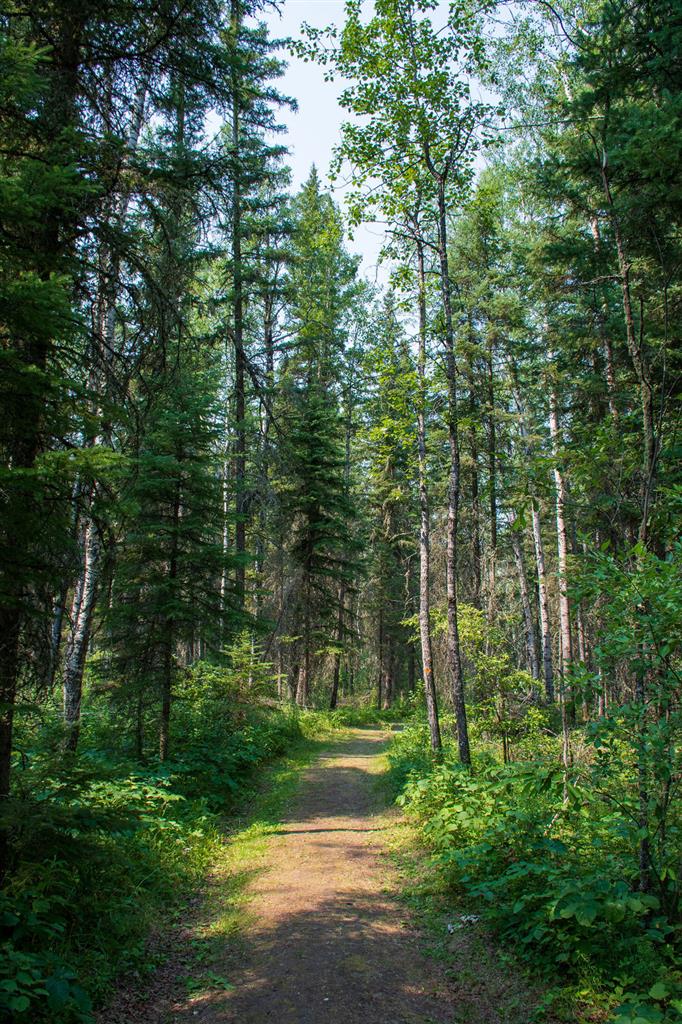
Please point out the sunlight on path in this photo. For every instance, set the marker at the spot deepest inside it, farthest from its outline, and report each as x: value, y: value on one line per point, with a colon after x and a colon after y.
x: 328, y: 942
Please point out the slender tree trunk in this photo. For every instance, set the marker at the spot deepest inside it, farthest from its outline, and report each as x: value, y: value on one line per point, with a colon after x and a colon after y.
x: 333, y: 700
x: 292, y: 681
x: 639, y: 363
x: 562, y: 548
x: 562, y: 539
x: 340, y: 625
x: 424, y: 524
x: 58, y: 611
x: 87, y: 584
x: 169, y: 640
x: 492, y: 484
x: 453, y: 648
x: 77, y: 646
x: 411, y: 668
x: 472, y: 441
x: 610, y: 372
x: 380, y: 671
x: 303, y: 683
x: 476, y: 558
x: 387, y: 672
x: 238, y: 332
x: 635, y: 344
x: 531, y: 641
x: 543, y: 604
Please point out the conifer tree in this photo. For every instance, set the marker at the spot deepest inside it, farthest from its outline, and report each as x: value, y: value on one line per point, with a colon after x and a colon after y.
x: 254, y: 166
x: 312, y: 483
x: 391, y: 485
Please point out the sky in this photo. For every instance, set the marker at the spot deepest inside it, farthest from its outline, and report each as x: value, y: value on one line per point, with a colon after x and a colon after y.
x: 314, y: 129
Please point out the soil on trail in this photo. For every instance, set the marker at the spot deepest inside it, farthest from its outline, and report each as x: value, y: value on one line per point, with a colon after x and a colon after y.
x: 328, y: 943
x: 327, y: 939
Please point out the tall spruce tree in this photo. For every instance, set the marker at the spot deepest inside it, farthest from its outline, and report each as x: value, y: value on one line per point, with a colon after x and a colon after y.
x: 311, y: 479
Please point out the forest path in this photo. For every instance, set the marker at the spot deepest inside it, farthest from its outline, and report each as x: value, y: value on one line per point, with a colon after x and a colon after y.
x: 328, y: 941
x: 305, y: 923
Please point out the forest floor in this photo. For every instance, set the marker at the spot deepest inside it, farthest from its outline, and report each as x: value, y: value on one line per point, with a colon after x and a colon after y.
x: 307, y: 920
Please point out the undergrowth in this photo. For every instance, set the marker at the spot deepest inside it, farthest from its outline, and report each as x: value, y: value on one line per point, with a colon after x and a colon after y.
x: 550, y: 865
x: 104, y: 845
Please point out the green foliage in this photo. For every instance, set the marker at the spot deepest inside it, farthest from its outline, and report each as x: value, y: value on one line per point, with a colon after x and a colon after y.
x: 637, y: 741
x: 104, y: 846
x: 556, y: 878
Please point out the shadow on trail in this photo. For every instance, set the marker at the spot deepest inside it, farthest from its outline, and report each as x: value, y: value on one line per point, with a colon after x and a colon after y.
x: 327, y: 943
x: 312, y: 831
x: 346, y: 960
x: 336, y: 790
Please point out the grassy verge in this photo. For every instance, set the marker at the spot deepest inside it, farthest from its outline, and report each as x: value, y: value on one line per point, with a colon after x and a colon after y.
x: 223, y: 916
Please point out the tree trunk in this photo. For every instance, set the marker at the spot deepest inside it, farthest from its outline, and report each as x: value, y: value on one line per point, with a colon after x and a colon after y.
x: 333, y: 700
x: 562, y: 549
x: 303, y: 681
x: 387, y: 672
x: 453, y: 648
x: 472, y: 440
x: 475, y: 514
x: 635, y: 346
x: 610, y: 374
x: 411, y: 668
x: 639, y: 363
x: 380, y: 672
x: 238, y: 335
x: 81, y: 622
x: 531, y: 641
x: 492, y: 484
x: 58, y: 611
x: 169, y: 642
x: 543, y: 604
x: 424, y: 525
x: 86, y: 587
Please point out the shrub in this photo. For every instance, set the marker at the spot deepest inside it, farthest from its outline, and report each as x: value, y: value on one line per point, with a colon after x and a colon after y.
x: 548, y: 863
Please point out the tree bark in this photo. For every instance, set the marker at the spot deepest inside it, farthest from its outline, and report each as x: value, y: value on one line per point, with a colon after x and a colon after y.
x: 639, y: 363
x: 543, y: 604
x: 238, y: 332
x: 492, y: 483
x: 531, y: 641
x: 81, y: 624
x: 635, y: 346
x: 562, y: 549
x: 610, y: 372
x: 333, y: 700
x: 430, y: 693
x: 169, y: 641
x: 453, y: 647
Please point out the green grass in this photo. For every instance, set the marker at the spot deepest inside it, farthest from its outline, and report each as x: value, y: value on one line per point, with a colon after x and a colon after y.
x: 224, y: 914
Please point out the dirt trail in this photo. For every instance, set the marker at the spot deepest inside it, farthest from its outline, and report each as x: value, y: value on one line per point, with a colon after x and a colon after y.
x: 326, y: 939
x: 328, y: 942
